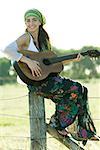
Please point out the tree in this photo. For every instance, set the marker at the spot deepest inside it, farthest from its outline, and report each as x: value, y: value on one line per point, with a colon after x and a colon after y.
x: 5, y: 76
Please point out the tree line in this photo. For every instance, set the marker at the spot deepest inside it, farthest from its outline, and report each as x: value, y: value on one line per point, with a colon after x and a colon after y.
x: 87, y: 68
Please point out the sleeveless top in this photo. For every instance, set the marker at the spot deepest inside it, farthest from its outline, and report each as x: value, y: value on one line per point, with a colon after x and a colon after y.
x: 32, y: 46
x: 25, y: 42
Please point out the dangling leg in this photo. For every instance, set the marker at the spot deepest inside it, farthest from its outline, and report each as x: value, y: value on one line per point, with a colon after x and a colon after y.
x: 66, y: 106
x: 66, y: 115
x: 54, y: 123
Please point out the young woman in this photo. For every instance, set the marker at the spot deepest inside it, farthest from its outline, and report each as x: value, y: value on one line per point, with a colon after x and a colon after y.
x: 70, y: 97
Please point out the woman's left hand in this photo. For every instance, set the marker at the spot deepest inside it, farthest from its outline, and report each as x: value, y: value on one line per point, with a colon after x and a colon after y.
x: 79, y: 57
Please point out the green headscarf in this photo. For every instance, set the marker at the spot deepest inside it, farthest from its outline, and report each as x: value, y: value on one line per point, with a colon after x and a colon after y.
x: 35, y: 13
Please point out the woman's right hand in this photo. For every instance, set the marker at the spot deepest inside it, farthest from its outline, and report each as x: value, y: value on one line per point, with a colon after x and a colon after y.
x: 33, y: 65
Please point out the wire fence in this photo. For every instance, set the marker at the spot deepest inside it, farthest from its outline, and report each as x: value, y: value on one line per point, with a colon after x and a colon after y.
x: 14, y: 98
x: 6, y: 139
x: 28, y: 117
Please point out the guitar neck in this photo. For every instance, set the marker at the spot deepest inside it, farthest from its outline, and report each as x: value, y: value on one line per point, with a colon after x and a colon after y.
x: 63, y: 58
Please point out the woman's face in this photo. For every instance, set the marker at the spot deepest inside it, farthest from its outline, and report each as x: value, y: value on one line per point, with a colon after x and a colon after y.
x: 32, y: 24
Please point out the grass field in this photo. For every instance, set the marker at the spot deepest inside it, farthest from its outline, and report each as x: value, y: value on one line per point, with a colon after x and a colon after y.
x: 14, y: 113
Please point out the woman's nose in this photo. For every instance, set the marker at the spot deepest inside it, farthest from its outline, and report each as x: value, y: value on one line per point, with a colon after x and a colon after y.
x: 31, y: 22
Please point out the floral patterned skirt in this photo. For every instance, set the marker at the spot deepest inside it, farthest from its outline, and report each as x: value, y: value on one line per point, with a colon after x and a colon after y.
x: 71, y: 101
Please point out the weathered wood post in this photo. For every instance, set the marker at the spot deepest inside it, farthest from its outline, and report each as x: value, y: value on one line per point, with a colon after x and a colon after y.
x: 37, y: 121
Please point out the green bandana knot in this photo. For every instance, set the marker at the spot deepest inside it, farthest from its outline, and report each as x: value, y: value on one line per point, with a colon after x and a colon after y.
x: 35, y: 13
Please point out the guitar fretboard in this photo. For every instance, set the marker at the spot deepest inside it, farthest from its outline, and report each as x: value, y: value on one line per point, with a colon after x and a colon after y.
x: 62, y: 58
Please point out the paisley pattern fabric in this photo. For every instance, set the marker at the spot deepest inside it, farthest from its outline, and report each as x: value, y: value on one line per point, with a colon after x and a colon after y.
x: 71, y: 101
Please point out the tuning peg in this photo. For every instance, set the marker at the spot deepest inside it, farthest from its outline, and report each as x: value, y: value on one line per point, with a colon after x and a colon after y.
x: 94, y: 58
x: 91, y: 58
x: 97, y: 58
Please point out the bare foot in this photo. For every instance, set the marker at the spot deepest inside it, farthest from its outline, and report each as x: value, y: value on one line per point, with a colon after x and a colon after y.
x: 95, y: 138
x: 63, y: 132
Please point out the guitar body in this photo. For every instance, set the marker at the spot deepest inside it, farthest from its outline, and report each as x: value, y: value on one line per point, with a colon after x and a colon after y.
x: 23, y: 70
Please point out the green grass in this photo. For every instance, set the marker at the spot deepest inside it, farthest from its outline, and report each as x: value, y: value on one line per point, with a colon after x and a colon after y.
x: 14, y: 113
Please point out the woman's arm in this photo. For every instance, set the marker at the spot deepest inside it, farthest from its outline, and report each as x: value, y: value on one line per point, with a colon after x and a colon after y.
x: 11, y: 52
x: 33, y: 65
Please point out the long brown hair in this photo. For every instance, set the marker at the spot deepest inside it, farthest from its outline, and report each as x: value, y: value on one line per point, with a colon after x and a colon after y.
x: 44, y: 42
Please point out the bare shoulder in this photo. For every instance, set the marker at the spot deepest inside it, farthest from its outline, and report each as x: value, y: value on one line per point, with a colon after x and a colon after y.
x: 23, y: 41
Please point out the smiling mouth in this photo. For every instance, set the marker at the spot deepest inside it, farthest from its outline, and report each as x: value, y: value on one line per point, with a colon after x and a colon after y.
x: 31, y: 27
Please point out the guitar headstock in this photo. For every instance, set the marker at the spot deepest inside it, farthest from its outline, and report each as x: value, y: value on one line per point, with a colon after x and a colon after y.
x: 93, y: 53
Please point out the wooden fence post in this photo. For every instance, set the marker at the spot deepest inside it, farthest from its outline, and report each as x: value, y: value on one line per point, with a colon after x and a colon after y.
x: 37, y: 122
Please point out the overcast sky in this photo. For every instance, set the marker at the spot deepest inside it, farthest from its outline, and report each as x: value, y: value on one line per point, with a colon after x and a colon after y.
x: 70, y: 23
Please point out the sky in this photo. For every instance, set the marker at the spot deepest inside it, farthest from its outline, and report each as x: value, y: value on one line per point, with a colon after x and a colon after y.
x: 69, y: 23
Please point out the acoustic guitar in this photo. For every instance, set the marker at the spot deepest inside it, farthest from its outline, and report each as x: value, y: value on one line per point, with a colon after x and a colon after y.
x: 49, y: 63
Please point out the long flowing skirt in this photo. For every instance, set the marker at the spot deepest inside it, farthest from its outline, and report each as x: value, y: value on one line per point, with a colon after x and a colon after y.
x: 71, y: 101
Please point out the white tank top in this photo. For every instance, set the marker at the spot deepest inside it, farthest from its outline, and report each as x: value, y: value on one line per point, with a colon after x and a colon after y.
x: 32, y: 46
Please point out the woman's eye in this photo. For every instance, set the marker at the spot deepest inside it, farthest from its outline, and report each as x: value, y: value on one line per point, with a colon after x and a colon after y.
x: 34, y: 19
x: 28, y: 20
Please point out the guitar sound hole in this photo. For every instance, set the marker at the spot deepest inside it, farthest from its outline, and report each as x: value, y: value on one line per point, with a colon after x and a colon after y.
x: 46, y: 61
x: 27, y: 56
